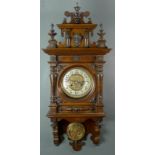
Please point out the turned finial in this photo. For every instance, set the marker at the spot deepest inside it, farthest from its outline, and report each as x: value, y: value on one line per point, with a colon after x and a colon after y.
x: 52, y: 41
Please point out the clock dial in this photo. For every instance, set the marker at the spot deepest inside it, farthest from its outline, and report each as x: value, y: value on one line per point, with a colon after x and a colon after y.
x: 77, y: 83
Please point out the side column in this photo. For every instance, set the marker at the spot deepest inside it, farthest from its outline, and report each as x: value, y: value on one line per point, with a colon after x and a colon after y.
x: 53, y: 82
x: 99, y: 71
x: 99, y: 74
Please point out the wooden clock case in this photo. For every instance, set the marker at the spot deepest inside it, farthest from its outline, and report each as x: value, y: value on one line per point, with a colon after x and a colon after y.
x: 88, y: 110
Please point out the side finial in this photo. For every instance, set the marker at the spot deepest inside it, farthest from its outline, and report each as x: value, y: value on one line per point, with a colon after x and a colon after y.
x: 101, y: 41
x: 52, y: 41
x: 52, y: 32
x: 101, y: 27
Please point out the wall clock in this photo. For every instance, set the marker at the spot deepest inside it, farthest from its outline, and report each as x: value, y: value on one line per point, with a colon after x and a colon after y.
x: 76, y: 75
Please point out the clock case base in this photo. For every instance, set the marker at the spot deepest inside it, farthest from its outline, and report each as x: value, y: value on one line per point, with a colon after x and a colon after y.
x: 92, y: 126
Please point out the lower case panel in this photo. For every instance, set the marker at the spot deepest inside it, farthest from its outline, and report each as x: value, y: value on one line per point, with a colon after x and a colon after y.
x: 77, y: 131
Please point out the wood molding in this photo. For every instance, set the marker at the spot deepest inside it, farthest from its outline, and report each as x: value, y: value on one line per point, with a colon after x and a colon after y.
x: 76, y: 51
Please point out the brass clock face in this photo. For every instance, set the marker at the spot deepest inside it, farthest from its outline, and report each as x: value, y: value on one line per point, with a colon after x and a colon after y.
x: 77, y: 83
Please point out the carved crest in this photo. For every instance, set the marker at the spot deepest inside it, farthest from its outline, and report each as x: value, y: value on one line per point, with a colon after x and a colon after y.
x: 77, y: 17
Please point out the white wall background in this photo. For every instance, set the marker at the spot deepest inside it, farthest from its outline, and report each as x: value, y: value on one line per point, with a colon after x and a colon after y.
x: 102, y: 11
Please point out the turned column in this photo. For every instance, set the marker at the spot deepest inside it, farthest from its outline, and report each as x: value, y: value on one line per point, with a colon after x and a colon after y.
x: 53, y: 81
x: 96, y: 131
x: 56, y: 137
x: 99, y: 72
